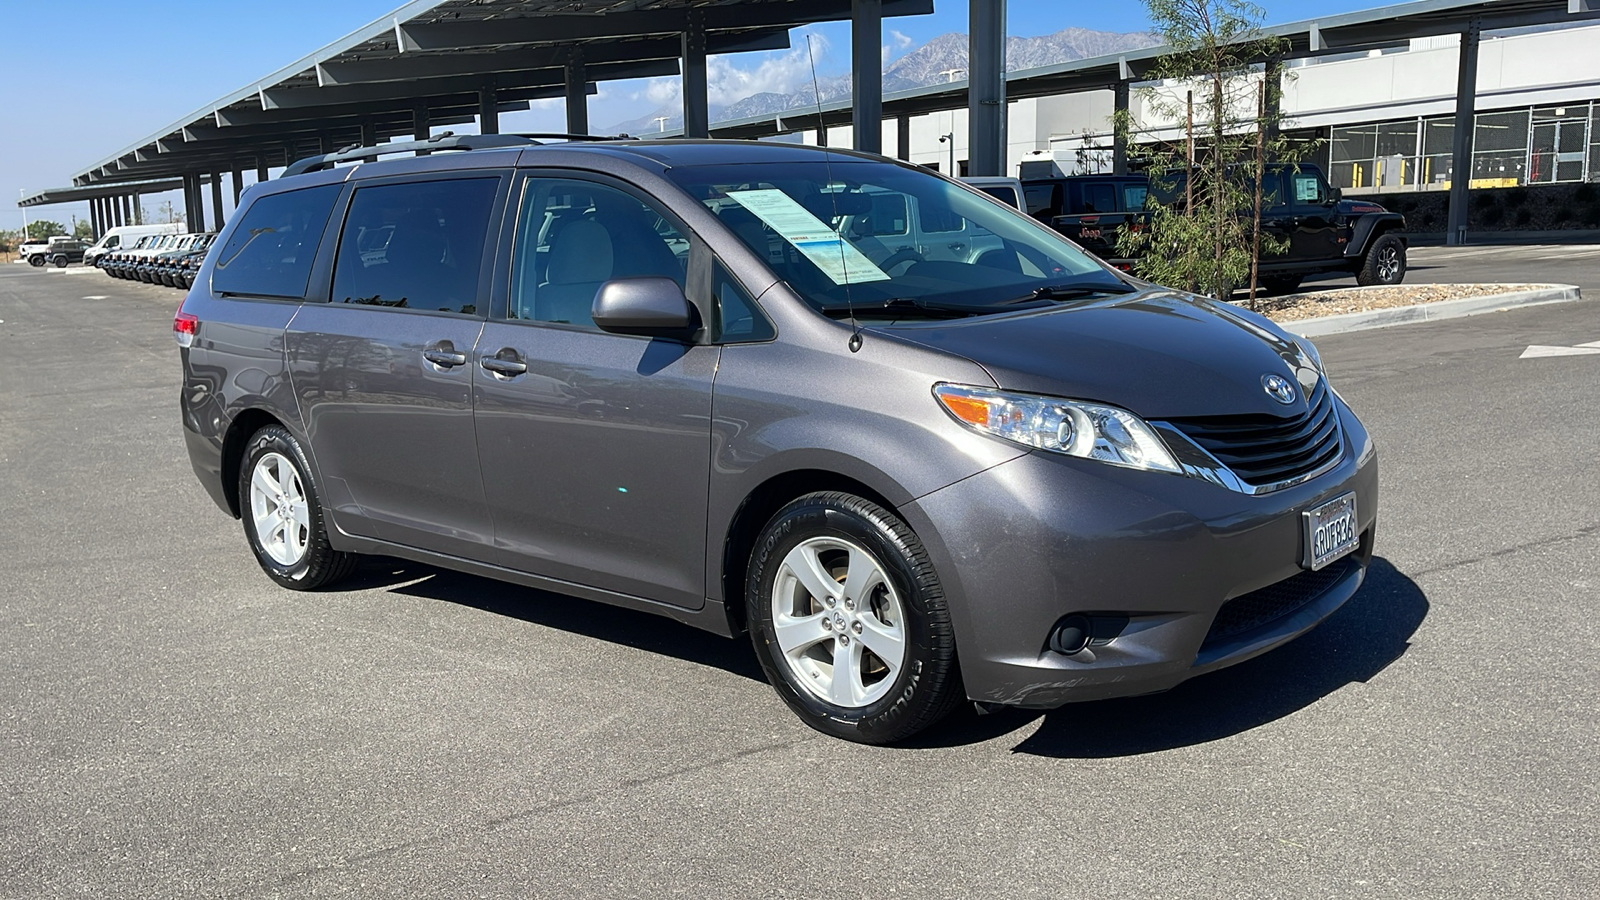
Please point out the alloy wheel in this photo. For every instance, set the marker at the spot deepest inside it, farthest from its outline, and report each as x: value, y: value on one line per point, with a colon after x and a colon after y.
x: 279, y: 509
x: 839, y: 622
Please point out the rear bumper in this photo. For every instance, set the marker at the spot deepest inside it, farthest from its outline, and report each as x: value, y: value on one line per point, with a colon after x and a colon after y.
x: 1031, y: 541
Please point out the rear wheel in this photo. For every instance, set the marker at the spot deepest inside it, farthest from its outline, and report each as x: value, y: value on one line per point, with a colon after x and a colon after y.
x: 1385, y: 262
x: 36, y: 261
x: 60, y: 261
x: 849, y: 620
x: 282, y: 516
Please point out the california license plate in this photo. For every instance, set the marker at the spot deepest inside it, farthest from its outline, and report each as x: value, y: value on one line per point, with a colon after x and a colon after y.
x: 1330, y: 531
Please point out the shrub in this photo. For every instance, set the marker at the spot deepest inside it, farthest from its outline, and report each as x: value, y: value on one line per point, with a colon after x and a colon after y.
x: 1585, y: 193
x: 1523, y: 218
x: 1562, y: 215
x: 1485, y: 200
x: 1492, y: 215
x: 1516, y: 197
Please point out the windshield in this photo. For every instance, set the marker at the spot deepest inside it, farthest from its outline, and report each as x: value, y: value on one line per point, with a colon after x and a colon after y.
x: 872, y: 234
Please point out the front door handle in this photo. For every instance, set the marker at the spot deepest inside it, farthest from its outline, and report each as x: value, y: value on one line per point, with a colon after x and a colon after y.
x: 444, y: 355
x: 958, y: 247
x: 506, y: 362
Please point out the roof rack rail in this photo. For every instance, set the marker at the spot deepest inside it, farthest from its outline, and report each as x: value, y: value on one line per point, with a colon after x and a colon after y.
x: 448, y: 140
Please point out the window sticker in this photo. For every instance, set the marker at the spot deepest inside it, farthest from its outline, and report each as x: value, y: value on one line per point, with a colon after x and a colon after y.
x: 1305, y: 189
x: 836, y: 257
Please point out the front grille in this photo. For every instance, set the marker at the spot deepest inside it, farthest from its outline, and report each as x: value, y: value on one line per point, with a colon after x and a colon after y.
x: 1247, y: 612
x: 1265, y: 450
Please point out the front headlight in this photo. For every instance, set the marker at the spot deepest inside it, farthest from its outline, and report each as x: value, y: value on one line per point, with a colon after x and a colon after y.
x: 1309, y: 352
x: 1085, y: 430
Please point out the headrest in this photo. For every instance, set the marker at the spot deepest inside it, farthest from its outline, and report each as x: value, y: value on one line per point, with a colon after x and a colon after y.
x: 581, y: 254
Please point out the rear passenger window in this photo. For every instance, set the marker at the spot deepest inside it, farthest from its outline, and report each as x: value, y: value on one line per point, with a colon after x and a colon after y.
x: 1133, y: 196
x: 575, y: 236
x: 1099, y: 198
x: 415, y: 246
x: 269, y: 254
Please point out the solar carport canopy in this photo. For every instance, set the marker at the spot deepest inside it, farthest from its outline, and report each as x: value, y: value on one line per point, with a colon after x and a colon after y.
x: 442, y: 62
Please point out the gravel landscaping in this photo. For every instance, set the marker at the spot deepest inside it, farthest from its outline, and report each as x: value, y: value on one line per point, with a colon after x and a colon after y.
x: 1316, y: 304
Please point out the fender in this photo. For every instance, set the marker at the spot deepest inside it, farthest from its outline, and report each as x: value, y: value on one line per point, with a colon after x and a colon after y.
x: 1369, y: 225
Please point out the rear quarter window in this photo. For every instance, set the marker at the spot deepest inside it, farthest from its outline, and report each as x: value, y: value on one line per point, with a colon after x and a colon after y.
x: 270, y: 253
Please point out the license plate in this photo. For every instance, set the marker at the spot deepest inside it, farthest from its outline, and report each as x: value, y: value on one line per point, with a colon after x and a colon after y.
x: 1089, y: 234
x: 1330, y: 531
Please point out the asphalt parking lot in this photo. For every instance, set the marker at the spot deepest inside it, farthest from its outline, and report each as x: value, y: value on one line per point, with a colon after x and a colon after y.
x: 175, y: 724
x: 1577, y: 264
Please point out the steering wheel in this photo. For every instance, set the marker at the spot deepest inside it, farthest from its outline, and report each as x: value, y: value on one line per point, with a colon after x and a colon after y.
x: 903, y: 255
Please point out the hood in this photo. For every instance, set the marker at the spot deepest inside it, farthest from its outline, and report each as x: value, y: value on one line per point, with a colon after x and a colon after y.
x: 1358, y: 207
x: 1157, y: 353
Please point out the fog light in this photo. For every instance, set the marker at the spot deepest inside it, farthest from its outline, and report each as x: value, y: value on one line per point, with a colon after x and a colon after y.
x: 1071, y: 635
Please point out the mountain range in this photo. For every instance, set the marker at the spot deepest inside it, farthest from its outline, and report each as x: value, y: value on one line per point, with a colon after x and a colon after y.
x: 941, y: 59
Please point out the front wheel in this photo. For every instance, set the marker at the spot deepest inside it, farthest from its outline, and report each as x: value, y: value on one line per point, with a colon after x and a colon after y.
x: 60, y: 261
x: 1385, y: 262
x: 849, y: 620
x: 283, y: 519
x: 36, y: 261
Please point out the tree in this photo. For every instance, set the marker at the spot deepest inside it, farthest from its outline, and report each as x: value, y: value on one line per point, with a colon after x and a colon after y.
x: 1207, y: 186
x: 45, y: 228
x: 83, y: 230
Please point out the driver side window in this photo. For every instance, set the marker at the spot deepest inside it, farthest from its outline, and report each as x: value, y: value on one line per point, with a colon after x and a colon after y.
x: 573, y: 236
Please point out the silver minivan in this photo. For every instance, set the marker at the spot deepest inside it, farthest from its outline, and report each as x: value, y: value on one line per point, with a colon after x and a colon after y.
x: 758, y: 389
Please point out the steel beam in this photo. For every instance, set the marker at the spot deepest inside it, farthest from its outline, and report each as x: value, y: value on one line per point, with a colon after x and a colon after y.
x: 216, y: 200
x: 696, y: 109
x: 366, y: 98
x: 986, y: 93
x: 1466, y: 118
x: 459, y: 35
x: 866, y: 75
x: 488, y: 116
x: 577, y: 84
x: 414, y: 67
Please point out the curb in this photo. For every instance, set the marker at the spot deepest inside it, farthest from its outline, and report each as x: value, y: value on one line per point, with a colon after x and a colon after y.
x: 1429, y: 312
x: 81, y: 270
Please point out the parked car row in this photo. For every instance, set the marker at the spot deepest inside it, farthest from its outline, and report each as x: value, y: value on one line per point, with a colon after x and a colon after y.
x: 169, y: 259
x: 59, y: 251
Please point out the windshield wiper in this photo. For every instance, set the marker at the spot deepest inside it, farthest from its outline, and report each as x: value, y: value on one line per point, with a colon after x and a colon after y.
x: 1075, y: 289
x: 896, y: 307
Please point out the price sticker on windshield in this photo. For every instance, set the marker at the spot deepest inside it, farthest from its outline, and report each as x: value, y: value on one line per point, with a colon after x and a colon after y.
x: 836, y: 257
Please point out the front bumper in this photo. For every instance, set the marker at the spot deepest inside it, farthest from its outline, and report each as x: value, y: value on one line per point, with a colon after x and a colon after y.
x: 1028, y: 542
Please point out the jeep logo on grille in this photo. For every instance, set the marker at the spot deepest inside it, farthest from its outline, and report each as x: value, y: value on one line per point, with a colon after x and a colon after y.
x: 1278, y: 388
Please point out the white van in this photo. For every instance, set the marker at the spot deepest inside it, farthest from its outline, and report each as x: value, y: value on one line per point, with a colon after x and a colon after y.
x: 125, y: 236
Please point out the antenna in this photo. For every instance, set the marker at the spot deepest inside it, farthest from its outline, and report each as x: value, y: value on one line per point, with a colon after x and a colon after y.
x: 827, y: 159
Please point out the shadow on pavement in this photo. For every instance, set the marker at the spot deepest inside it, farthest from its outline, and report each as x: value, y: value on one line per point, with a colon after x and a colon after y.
x: 1368, y: 633
x: 1360, y: 640
x: 631, y: 628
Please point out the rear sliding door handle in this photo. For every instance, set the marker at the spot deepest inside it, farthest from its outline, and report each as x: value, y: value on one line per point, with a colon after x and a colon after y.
x: 444, y: 355
x: 505, y: 362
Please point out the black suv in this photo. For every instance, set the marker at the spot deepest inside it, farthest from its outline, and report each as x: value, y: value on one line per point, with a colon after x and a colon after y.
x: 1326, y: 233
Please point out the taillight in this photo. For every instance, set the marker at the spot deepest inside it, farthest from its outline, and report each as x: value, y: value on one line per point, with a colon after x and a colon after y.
x: 184, y: 326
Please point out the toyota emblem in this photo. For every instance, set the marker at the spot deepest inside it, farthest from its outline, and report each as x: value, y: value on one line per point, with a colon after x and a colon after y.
x: 1278, y: 388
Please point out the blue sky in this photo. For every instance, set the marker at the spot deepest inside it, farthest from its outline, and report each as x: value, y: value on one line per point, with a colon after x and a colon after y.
x: 108, y: 74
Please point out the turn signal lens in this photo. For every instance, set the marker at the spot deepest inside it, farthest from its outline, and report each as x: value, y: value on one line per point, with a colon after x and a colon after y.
x: 1085, y: 430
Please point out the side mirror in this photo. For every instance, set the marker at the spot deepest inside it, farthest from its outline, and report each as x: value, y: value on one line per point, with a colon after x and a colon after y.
x: 651, y: 306
x: 1335, y: 195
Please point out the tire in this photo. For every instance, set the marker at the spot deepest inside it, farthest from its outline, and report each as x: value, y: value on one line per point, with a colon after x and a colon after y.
x: 1385, y: 262
x: 297, y: 557
x: 36, y: 261
x: 902, y: 599
x: 59, y: 261
x: 1281, y: 284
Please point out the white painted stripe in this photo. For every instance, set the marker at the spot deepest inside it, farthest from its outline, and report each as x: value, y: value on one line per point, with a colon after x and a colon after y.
x: 1595, y: 344
x: 1536, y: 351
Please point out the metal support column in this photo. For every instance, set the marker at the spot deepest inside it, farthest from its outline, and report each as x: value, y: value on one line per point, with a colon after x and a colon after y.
x: 1119, y: 139
x: 986, y: 88
x: 488, y: 114
x: 138, y: 209
x: 369, y: 137
x: 94, y: 217
x: 696, y: 114
x: 122, y: 209
x: 577, y: 82
x: 866, y: 74
x: 261, y: 168
x: 1466, y: 117
x: 902, y: 148
x: 190, y: 189
x: 238, y: 186
x: 419, y: 124
x: 216, y: 201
